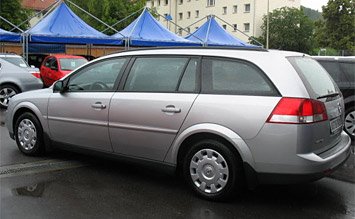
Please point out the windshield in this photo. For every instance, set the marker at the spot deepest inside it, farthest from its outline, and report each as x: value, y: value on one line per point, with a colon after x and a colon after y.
x: 316, y: 79
x: 70, y: 64
x: 18, y: 61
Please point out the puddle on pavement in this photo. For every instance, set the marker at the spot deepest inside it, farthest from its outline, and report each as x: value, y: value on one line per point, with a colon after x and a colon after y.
x: 35, y: 190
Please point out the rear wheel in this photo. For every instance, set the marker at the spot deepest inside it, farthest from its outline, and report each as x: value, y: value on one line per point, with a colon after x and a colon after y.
x: 6, y: 92
x: 29, y: 134
x: 212, y: 170
x: 350, y: 122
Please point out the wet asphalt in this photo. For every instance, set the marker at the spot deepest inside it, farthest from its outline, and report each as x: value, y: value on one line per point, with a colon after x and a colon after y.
x: 100, y: 188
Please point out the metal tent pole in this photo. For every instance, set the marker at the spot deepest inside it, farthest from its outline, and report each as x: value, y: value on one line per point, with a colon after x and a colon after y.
x: 15, y: 27
x: 240, y: 31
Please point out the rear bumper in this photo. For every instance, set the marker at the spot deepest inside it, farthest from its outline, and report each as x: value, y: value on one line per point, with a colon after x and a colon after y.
x: 310, y: 167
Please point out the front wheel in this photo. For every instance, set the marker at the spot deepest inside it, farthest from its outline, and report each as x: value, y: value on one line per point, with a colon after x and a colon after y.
x: 212, y: 170
x: 349, y: 125
x: 29, y: 134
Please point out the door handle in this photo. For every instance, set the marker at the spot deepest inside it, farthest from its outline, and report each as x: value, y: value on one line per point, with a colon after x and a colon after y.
x: 171, y: 109
x: 98, y: 105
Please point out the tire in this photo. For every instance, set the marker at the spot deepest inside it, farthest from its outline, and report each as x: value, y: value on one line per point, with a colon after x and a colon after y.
x: 6, y: 92
x: 212, y: 170
x: 29, y: 135
x: 349, y: 125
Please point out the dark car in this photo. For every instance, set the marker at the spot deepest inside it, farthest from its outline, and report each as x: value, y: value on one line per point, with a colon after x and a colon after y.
x: 342, y: 69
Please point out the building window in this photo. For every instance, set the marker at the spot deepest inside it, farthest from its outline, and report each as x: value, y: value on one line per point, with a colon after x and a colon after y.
x: 246, y: 27
x: 197, y: 13
x: 224, y: 10
x: 224, y: 26
x: 166, y: 2
x: 158, y: 2
x: 247, y: 8
x: 235, y: 9
x: 188, y: 15
x: 180, y: 16
x: 181, y: 2
x: 210, y: 3
x: 188, y: 30
x: 152, y: 3
x: 235, y: 27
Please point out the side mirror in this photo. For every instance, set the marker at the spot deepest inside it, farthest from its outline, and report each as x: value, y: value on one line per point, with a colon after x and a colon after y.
x: 59, y: 87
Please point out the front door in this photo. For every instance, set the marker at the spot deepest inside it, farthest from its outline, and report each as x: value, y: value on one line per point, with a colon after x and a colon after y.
x: 79, y: 116
x: 157, y: 96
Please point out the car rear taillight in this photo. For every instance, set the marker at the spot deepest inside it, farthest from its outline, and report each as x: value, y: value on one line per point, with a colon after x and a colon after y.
x: 298, y: 111
x: 36, y: 74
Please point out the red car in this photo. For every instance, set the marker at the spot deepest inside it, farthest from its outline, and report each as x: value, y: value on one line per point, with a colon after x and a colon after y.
x: 54, y: 67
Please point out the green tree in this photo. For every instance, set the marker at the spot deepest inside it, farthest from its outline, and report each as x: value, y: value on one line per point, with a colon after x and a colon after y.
x: 109, y: 11
x: 13, y: 12
x: 290, y: 29
x: 338, y: 28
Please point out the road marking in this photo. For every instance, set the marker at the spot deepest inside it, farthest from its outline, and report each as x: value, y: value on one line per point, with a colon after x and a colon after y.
x: 38, y: 167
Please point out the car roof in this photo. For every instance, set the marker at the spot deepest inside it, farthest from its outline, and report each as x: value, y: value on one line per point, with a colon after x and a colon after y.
x: 208, y: 51
x: 67, y: 56
x: 9, y: 55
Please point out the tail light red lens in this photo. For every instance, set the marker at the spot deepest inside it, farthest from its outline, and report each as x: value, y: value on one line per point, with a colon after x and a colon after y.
x: 298, y: 111
x: 36, y: 74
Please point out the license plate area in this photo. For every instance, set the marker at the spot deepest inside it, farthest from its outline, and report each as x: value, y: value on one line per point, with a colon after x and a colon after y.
x: 336, y: 125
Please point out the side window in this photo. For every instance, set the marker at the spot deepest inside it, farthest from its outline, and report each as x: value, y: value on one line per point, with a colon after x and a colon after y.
x: 188, y: 81
x: 54, y: 64
x: 333, y: 68
x: 48, y: 61
x: 234, y: 77
x: 98, y: 77
x: 349, y: 69
x: 155, y: 74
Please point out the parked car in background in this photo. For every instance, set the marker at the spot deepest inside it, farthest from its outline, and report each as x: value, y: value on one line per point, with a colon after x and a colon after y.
x: 55, y: 67
x: 220, y: 117
x: 342, y: 70
x: 16, y: 77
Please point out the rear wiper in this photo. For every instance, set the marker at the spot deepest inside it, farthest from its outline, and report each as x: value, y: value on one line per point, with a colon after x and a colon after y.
x: 329, y: 95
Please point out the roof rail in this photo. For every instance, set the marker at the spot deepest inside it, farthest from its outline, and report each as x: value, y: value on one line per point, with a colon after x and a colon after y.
x: 194, y: 47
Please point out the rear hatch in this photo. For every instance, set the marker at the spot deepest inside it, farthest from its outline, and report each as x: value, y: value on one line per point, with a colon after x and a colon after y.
x: 321, y: 87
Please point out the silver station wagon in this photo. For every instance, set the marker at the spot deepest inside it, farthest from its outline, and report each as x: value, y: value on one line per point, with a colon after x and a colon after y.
x: 223, y: 118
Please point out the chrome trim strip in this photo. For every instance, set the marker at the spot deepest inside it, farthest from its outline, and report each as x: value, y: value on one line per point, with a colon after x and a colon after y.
x: 142, y: 128
x: 79, y: 121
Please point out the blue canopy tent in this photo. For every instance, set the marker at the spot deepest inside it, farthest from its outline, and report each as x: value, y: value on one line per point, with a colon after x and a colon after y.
x: 62, y: 26
x: 7, y: 36
x: 212, y: 34
x: 147, y: 31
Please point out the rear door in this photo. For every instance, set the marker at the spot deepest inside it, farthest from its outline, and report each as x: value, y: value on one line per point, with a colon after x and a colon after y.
x: 147, y: 113
x: 45, y: 68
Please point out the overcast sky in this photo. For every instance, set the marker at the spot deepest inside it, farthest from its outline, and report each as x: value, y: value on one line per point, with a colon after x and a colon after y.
x: 314, y: 4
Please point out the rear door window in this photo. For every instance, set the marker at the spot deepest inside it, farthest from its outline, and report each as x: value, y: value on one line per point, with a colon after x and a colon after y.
x: 156, y: 74
x: 222, y: 76
x: 316, y: 79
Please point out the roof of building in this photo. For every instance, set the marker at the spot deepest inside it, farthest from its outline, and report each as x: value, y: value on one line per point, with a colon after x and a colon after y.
x: 37, y: 5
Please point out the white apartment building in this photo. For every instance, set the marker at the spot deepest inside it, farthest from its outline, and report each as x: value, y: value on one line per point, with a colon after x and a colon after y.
x: 244, y: 15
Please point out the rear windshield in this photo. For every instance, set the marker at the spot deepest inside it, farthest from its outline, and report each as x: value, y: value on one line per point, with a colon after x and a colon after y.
x: 18, y: 61
x: 316, y: 79
x: 71, y: 64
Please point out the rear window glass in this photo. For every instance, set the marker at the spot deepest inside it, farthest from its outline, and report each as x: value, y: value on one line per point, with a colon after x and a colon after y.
x: 71, y: 64
x: 349, y: 70
x: 316, y: 79
x: 333, y: 68
x: 18, y: 61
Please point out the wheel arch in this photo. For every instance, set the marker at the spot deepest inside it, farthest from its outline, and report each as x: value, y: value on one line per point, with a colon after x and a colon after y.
x: 214, y: 131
